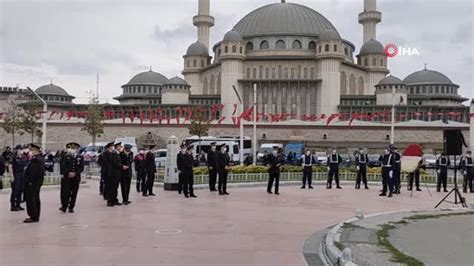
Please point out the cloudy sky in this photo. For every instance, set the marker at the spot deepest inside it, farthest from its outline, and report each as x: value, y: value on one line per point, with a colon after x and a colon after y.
x: 70, y: 41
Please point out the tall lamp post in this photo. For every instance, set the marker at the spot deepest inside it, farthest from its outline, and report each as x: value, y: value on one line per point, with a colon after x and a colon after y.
x: 254, y: 139
x: 45, y: 111
x: 392, y: 127
x: 241, y: 127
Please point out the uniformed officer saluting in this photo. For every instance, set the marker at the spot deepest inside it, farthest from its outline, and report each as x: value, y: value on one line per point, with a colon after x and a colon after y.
x: 71, y: 167
x: 212, y: 167
x: 442, y: 164
x: 34, y: 177
x: 361, y: 164
x: 334, y: 159
x: 127, y: 158
x: 223, y: 166
x: 307, y: 162
x: 273, y: 162
x: 387, y: 172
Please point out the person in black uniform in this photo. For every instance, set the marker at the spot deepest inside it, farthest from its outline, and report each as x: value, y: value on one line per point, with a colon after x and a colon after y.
x: 34, y: 177
x: 126, y: 157
x: 361, y: 160
x: 223, y: 166
x: 16, y: 169
x: 397, y: 168
x: 140, y: 170
x: 415, y: 175
x: 334, y: 159
x: 387, y: 173
x: 442, y: 164
x: 273, y: 161
x: 180, y: 158
x: 186, y: 172
x: 104, y: 163
x: 71, y: 167
x: 467, y: 167
x: 114, y: 175
x: 307, y: 163
x: 150, y: 168
x: 212, y: 167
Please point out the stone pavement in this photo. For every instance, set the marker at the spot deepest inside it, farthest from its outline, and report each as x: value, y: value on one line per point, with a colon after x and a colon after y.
x: 249, y: 227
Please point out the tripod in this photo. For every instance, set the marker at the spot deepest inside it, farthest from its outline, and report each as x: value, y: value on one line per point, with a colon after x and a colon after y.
x: 455, y: 190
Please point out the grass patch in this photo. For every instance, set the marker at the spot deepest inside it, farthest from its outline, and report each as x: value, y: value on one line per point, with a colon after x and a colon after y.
x: 339, y: 245
x: 349, y: 225
x: 397, y: 256
x: 402, y: 222
x: 434, y: 216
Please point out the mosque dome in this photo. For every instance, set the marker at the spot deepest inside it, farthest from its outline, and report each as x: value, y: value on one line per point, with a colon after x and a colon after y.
x: 197, y: 49
x: 148, y: 78
x: 427, y: 76
x: 51, y: 89
x: 372, y: 47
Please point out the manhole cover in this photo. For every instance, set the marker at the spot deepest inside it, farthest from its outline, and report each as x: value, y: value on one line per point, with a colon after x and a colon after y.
x: 168, y: 231
x: 74, y: 227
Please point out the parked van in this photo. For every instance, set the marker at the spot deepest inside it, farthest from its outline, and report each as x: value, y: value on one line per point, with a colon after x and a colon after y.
x: 267, y: 148
x: 92, y: 151
x: 130, y: 141
x: 205, y: 146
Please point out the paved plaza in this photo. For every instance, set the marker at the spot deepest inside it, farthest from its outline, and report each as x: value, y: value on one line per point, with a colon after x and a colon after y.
x: 249, y: 227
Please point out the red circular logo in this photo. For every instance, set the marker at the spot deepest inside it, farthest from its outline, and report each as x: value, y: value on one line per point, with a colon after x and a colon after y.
x: 391, y: 50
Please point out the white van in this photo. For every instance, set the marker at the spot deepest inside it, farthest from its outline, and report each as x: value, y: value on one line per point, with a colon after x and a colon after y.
x: 130, y: 141
x: 205, y: 145
x: 267, y: 148
x: 92, y: 151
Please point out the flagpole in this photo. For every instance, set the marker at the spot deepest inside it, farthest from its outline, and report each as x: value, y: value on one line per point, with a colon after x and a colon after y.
x: 254, y: 141
x: 392, y: 127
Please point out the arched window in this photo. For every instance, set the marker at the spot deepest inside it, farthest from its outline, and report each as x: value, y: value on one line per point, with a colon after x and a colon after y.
x: 264, y: 45
x: 335, y: 48
x: 212, y: 85
x: 280, y: 44
x: 292, y: 73
x: 343, y: 83
x: 273, y: 73
x: 345, y: 51
x: 312, y: 45
x: 249, y: 47
x: 248, y: 73
x: 374, y: 62
x: 267, y: 73
x: 260, y: 72
x: 226, y: 49
x: 305, y: 73
x: 280, y: 72
x: 202, y: 63
x: 296, y: 44
x: 326, y: 48
x: 254, y: 74
x: 366, y: 62
x: 352, y: 85
x: 234, y: 49
x: 286, y: 73
x: 194, y: 63
x: 381, y: 62
x: 312, y: 73
x: 241, y: 50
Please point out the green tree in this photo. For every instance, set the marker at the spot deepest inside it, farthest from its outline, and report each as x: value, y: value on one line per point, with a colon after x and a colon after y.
x: 199, y: 125
x: 94, y: 121
x: 12, y: 122
x: 29, y: 122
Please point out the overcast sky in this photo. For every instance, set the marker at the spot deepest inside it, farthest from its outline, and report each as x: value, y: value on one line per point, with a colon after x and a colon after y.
x: 70, y: 41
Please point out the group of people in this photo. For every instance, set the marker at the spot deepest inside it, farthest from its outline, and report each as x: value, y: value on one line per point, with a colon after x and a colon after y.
x: 116, y: 164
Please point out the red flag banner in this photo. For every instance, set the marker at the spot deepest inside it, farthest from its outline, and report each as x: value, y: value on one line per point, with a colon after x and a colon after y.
x: 132, y: 116
x: 235, y: 109
x: 247, y: 114
x: 142, y: 117
x: 471, y: 115
x: 122, y: 115
x: 51, y: 115
x: 221, y: 120
x: 160, y: 115
x: 331, y: 118
x: 151, y: 115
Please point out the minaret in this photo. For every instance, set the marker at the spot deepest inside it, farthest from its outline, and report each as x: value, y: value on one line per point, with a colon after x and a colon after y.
x: 204, y: 21
x: 369, y: 19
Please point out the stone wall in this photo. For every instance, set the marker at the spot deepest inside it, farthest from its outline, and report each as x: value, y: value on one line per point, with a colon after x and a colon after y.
x: 374, y: 138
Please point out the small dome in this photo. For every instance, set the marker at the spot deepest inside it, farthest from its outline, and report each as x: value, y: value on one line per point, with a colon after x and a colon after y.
x: 197, y: 49
x: 427, y: 76
x: 232, y: 36
x: 52, y: 89
x: 391, y: 80
x: 329, y: 35
x: 148, y: 78
x: 372, y: 47
x: 176, y: 81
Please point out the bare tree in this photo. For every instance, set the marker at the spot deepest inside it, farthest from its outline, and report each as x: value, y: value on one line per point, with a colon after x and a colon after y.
x: 94, y: 121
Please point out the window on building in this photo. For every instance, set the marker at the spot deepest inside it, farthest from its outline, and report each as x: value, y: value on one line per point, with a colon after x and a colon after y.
x: 273, y: 73
x: 417, y: 90
x: 423, y: 90
x: 312, y: 45
x: 264, y: 45
x: 345, y: 51
x: 226, y: 49
x: 139, y: 90
x: 194, y: 63
x: 248, y: 73
x: 234, y: 49
x: 374, y: 62
x: 254, y: 74
x: 381, y: 62
x: 437, y: 89
x: 202, y: 63
x: 296, y: 45
x: 280, y: 44
x: 335, y: 47
x: 249, y: 47
x: 443, y: 89
x: 326, y: 48
x: 366, y: 63
x: 319, y: 49
x: 430, y: 90
x: 241, y: 50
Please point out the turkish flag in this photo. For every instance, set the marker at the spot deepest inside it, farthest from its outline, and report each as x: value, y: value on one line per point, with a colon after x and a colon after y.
x: 331, y: 118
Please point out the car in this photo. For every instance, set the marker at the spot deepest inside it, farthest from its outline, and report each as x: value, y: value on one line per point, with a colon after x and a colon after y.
x: 346, y: 160
x: 160, y: 157
x: 374, y: 160
x: 429, y: 160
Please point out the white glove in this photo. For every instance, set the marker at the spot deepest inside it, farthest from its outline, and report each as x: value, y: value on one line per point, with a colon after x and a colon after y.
x: 390, y: 173
x: 439, y: 171
x: 464, y: 172
x: 328, y: 168
x: 358, y: 168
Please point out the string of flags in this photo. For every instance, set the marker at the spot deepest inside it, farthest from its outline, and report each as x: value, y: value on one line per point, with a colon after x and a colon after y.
x: 185, y: 114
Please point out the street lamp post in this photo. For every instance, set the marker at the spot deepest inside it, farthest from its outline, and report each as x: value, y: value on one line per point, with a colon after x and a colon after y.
x: 241, y: 127
x: 45, y: 111
x: 254, y: 139
x: 392, y: 127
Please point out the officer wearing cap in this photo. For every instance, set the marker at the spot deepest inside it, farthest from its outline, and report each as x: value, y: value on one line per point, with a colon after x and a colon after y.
x: 467, y: 167
x: 273, y: 161
x: 180, y: 159
x: 150, y: 166
x: 34, y: 177
x: 333, y: 161
x: 212, y: 167
x: 397, y: 168
x: 16, y: 168
x: 223, y: 166
x: 361, y: 160
x: 387, y: 172
x: 125, y: 181
x: 307, y: 162
x: 139, y: 162
x: 115, y: 174
x: 442, y: 164
x: 187, y: 175
x: 71, y: 167
x: 104, y: 163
